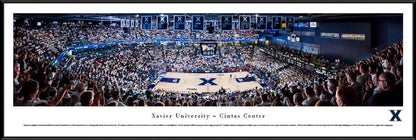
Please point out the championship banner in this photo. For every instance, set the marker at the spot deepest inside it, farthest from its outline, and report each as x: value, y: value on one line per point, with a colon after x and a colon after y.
x: 162, y: 22
x: 277, y: 23
x: 179, y: 22
x: 226, y: 23
x: 146, y: 23
x: 198, y: 23
x: 207, y: 82
x: 245, y: 22
x: 261, y: 22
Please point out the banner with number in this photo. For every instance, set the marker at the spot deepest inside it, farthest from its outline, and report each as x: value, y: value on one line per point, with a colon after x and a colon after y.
x: 127, y: 23
x: 137, y: 23
x: 132, y: 23
x: 122, y: 23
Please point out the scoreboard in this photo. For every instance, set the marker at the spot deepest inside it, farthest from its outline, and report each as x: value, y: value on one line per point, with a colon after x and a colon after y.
x: 208, y: 48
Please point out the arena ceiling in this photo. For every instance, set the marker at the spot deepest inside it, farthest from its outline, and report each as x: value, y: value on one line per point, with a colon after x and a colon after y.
x: 210, y: 16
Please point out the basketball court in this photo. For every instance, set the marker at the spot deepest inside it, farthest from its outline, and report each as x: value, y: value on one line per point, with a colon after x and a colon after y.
x: 207, y: 82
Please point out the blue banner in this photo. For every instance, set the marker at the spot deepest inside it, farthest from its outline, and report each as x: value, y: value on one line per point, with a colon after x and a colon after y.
x: 146, y: 23
x: 226, y: 22
x: 179, y: 22
x: 277, y: 23
x: 162, y: 22
x: 261, y: 22
x: 198, y: 23
x: 245, y: 22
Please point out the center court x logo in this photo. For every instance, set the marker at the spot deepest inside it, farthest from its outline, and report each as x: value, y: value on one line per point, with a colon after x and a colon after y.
x: 205, y: 81
x: 395, y: 115
x: 162, y: 19
x: 179, y: 18
x: 198, y: 18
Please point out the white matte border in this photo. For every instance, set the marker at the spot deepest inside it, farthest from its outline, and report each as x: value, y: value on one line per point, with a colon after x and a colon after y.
x: 15, y: 117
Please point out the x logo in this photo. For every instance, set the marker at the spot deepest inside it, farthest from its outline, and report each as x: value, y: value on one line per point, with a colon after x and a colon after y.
x: 162, y: 19
x: 198, y: 18
x: 226, y: 19
x: 245, y: 18
x: 261, y: 19
x: 179, y: 18
x: 395, y: 115
x: 146, y: 19
x: 205, y: 81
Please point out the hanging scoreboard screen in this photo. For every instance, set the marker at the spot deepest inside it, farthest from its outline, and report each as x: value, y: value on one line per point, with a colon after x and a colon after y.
x: 261, y: 22
x: 146, y: 23
x: 277, y: 23
x: 198, y: 23
x: 245, y: 22
x: 208, y: 49
x: 226, y: 22
x: 162, y: 22
x: 179, y: 22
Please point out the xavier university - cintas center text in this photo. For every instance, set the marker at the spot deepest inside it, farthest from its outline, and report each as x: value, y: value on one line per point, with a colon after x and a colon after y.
x: 206, y: 116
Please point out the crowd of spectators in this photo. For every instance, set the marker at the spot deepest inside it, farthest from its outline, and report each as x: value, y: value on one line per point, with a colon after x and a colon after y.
x: 118, y: 75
